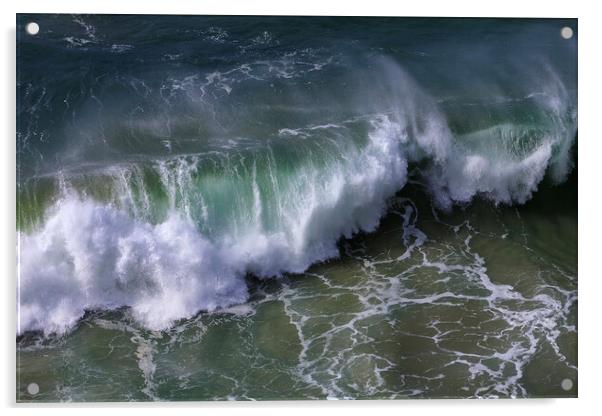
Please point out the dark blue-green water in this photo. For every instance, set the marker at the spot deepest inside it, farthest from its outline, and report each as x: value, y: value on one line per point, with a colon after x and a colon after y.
x: 229, y: 207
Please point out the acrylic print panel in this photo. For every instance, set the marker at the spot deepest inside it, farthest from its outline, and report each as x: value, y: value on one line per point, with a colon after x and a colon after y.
x: 229, y: 207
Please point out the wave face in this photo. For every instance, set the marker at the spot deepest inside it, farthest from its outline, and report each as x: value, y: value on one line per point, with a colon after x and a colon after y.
x: 161, y: 186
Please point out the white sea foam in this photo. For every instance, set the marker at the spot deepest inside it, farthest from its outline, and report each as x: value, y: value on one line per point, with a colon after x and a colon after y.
x: 93, y: 256
x: 90, y: 255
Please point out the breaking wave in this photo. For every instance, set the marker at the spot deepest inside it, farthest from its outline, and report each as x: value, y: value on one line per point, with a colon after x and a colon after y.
x: 174, y: 234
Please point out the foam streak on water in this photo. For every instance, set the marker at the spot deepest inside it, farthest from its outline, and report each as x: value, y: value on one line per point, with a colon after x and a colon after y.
x: 496, y: 368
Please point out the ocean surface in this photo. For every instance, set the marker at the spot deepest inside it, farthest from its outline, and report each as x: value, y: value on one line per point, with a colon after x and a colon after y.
x: 269, y: 208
